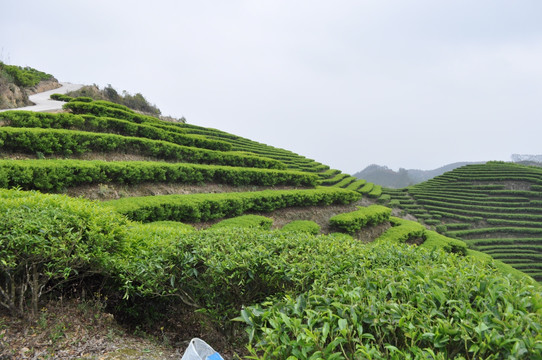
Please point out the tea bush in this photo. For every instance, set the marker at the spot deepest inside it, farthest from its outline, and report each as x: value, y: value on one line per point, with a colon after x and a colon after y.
x: 402, y: 302
x: 356, y: 185
x: 61, y: 97
x: 305, y: 226
x: 375, y: 192
x: 298, y: 294
x: 49, y: 240
x: 19, y: 118
x: 68, y: 142
x: 403, y: 231
x: 56, y: 175
x: 356, y: 220
x: 245, y: 221
x: 367, y: 188
x: 203, y: 207
x: 108, y: 109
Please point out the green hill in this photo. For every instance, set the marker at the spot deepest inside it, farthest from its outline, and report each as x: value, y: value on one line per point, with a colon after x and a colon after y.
x: 348, y: 281
x: 17, y: 83
x: 496, y: 208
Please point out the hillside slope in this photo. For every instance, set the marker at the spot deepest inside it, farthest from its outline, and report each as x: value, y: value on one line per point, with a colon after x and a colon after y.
x: 384, y: 176
x: 496, y: 208
x: 17, y: 83
x: 373, y: 285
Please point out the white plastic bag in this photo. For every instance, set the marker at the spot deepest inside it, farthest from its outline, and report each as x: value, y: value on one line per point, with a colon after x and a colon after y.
x: 200, y: 350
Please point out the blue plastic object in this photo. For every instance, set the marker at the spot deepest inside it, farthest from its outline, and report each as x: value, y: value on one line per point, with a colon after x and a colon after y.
x: 215, y: 356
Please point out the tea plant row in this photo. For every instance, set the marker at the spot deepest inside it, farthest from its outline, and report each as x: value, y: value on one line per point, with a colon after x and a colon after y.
x: 202, y: 207
x: 67, y: 142
x: 56, y: 175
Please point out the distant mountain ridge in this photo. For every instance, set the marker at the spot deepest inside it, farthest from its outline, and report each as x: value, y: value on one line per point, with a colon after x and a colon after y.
x: 384, y: 176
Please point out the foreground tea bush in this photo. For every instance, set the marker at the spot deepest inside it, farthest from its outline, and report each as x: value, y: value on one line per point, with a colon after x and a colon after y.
x: 310, y: 297
x: 403, y: 302
x: 50, y: 240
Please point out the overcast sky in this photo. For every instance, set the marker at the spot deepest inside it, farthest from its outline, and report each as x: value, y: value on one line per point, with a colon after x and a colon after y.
x: 413, y: 84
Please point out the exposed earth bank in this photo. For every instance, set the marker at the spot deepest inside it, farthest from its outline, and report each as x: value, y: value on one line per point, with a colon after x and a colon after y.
x: 13, y: 96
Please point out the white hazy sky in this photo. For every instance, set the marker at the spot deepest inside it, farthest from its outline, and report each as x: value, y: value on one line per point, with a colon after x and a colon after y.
x: 402, y: 83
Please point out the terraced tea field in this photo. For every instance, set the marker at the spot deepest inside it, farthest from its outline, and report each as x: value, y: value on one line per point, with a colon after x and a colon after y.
x: 207, y: 254
x: 495, y: 208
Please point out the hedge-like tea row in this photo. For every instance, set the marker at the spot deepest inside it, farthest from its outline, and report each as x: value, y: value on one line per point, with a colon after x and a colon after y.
x: 246, y: 222
x: 375, y: 192
x: 202, y: 207
x: 486, y: 201
x: 518, y: 249
x: 55, y: 175
x: 356, y: 220
x: 107, y: 109
x: 514, y: 223
x: 61, y: 97
x: 434, y: 240
x: 435, y: 213
x: 496, y: 230
x: 345, y: 182
x: 367, y: 188
x: 458, y: 226
x: 452, y: 206
x: 302, y: 226
x: 403, y: 231
x: 430, y: 221
x: 32, y: 119
x: 356, y: 185
x: 334, y: 180
x: 384, y: 199
x: 67, y: 142
x: 504, y: 241
x: 329, y: 173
